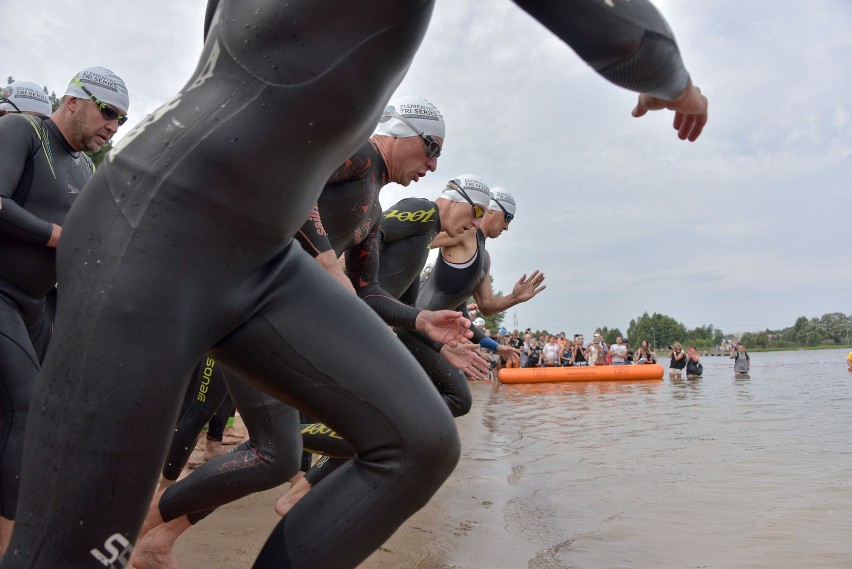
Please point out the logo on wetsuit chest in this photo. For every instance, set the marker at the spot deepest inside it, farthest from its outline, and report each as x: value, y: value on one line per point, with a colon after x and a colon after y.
x: 422, y: 216
x: 206, y: 374
x: 73, y: 189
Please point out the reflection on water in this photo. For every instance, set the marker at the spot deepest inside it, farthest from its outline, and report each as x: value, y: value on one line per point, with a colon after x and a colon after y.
x: 714, y: 472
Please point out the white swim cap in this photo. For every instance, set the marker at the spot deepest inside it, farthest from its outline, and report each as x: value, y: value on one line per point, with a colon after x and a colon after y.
x: 473, y: 186
x: 104, y: 84
x: 500, y: 197
x: 479, y: 322
x: 25, y: 96
x: 420, y: 113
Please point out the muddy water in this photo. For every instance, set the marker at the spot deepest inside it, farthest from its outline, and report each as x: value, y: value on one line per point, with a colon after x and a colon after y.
x: 716, y: 472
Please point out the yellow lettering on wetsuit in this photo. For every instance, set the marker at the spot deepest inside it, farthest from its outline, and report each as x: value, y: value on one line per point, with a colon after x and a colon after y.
x: 422, y: 216
x: 206, y: 374
x: 319, y: 429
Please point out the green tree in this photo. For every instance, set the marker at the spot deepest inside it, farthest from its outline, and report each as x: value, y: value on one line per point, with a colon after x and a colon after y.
x: 54, y: 100
x: 703, y: 336
x: 758, y: 340
x: 811, y: 333
x: 659, y: 329
x: 836, y: 326
x: 609, y: 336
x: 98, y: 157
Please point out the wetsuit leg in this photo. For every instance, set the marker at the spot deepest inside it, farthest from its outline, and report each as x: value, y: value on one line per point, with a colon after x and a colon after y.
x: 219, y: 422
x: 204, y: 396
x: 307, y: 456
x: 449, y: 380
x: 266, y: 460
x: 321, y: 439
x: 18, y: 371
x: 182, y: 241
x: 361, y: 397
x: 324, y: 466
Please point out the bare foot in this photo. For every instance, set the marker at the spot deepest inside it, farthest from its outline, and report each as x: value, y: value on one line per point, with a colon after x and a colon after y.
x: 155, y: 550
x: 234, y: 436
x: 214, y: 449
x: 297, y: 490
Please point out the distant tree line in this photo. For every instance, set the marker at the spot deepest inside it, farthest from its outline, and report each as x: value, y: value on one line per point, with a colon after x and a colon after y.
x: 834, y: 329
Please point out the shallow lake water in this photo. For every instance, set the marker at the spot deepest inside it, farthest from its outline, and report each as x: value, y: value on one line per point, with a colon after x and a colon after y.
x: 713, y: 472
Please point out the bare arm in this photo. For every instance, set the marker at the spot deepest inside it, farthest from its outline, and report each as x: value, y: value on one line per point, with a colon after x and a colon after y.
x: 524, y: 290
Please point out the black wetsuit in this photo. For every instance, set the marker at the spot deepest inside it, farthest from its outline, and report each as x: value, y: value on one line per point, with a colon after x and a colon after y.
x: 385, y: 271
x: 182, y: 242
x: 206, y: 395
x: 40, y: 177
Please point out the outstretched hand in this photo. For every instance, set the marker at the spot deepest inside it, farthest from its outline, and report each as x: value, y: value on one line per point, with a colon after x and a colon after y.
x: 526, y: 288
x: 508, y: 352
x: 690, y: 111
x: 445, y: 326
x: 466, y: 357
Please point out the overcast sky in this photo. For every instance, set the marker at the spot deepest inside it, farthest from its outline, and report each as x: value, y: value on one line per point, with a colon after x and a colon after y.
x: 745, y: 229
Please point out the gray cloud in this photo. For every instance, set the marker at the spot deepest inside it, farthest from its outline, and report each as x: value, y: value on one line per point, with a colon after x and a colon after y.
x: 744, y: 229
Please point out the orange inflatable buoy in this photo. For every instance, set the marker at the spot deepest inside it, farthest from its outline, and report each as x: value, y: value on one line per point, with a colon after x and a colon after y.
x: 580, y: 373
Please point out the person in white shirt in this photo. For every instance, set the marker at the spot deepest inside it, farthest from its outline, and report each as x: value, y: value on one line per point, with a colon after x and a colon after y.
x: 618, y: 351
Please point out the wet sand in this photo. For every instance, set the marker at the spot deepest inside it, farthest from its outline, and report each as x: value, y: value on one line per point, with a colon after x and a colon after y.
x: 462, y: 512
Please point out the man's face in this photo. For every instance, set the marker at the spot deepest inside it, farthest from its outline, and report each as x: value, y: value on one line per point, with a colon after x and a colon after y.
x: 461, y: 218
x: 619, y: 340
x: 494, y: 223
x: 88, y: 129
x: 412, y: 162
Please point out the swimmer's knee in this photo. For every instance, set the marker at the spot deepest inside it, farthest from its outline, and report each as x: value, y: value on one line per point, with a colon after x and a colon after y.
x: 437, y: 447
x: 460, y: 405
x: 273, y: 468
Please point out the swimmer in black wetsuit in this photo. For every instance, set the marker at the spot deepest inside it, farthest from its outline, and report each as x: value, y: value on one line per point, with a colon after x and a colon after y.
x: 266, y: 93
x: 463, y: 268
x: 407, y: 230
x: 42, y: 170
x: 206, y: 395
x: 404, y: 148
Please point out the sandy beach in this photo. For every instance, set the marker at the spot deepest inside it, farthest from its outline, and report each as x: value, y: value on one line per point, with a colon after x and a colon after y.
x: 232, y: 536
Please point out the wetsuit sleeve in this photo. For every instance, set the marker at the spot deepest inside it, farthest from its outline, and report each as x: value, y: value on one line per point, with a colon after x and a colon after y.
x: 629, y: 43
x: 312, y: 234
x: 410, y: 295
x: 362, y: 267
x: 17, y: 144
x: 477, y: 333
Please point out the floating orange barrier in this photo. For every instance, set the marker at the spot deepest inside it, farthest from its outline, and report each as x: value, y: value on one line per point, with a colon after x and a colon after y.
x: 580, y: 373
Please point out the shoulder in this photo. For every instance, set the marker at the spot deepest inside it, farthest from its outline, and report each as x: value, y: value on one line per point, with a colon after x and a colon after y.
x: 22, y: 125
x: 411, y: 209
x: 365, y: 162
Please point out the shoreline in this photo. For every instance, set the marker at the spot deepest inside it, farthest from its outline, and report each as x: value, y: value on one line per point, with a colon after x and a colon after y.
x: 233, y: 535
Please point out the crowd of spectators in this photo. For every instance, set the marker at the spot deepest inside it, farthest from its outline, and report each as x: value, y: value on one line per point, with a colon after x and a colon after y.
x: 559, y: 350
